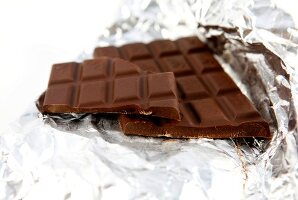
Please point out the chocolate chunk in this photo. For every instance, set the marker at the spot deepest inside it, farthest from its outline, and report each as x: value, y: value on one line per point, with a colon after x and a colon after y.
x: 110, y: 85
x: 211, y: 104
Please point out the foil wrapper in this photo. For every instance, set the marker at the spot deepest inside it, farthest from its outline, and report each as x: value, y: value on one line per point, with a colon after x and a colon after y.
x: 87, y: 157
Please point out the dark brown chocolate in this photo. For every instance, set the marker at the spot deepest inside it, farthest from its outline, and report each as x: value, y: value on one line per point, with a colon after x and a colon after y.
x: 110, y: 85
x: 211, y: 104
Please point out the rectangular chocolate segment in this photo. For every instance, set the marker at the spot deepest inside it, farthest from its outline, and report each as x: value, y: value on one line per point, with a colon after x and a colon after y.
x: 110, y: 85
x: 211, y: 104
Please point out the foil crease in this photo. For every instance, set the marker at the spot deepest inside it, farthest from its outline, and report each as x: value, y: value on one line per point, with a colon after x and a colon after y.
x: 87, y: 157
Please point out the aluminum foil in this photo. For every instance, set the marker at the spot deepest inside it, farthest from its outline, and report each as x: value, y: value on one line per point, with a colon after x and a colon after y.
x: 87, y: 157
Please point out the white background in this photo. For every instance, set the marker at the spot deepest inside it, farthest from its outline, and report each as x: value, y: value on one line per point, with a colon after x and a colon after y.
x: 34, y: 34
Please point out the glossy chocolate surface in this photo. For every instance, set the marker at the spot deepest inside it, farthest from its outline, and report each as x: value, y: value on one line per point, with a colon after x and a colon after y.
x: 211, y: 104
x: 110, y: 85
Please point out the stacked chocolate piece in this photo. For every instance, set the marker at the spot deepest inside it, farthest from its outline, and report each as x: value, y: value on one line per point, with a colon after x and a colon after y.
x: 161, y: 89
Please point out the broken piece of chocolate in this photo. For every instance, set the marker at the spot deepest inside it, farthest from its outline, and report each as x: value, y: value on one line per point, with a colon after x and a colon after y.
x: 110, y: 85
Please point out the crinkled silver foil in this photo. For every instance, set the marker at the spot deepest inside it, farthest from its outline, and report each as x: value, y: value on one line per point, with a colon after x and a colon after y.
x: 87, y: 157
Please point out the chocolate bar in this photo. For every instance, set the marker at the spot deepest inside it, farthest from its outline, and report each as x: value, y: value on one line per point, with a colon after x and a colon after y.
x: 211, y: 105
x: 110, y: 85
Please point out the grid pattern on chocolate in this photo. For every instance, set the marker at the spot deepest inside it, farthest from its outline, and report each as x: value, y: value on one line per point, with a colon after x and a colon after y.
x: 109, y: 83
x: 208, y: 96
